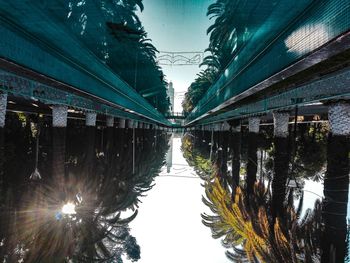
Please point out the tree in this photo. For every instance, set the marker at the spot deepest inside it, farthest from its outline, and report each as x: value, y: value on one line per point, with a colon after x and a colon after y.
x: 113, y: 31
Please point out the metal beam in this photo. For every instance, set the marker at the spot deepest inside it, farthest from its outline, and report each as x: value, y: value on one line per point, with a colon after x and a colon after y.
x: 35, y: 91
x: 333, y: 86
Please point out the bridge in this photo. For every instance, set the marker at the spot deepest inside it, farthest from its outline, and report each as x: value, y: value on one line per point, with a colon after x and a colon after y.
x: 43, y: 59
x: 175, y: 116
x: 58, y: 58
x: 291, y: 54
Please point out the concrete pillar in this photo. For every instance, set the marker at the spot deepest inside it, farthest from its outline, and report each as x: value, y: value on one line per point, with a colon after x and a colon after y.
x: 225, y: 126
x: 59, y: 124
x: 254, y: 127
x: 3, y: 106
x: 90, y: 119
x: 339, y: 118
x: 121, y: 123
x: 280, y: 163
x: 336, y: 184
x: 130, y: 124
x: 89, y: 165
x: 110, y: 135
x: 235, y: 145
x: 280, y: 124
x: 110, y: 121
x: 254, y: 124
x: 59, y: 116
x: 236, y: 126
x: 135, y: 124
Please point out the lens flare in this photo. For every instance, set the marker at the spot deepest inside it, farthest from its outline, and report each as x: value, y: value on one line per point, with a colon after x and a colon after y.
x: 69, y: 209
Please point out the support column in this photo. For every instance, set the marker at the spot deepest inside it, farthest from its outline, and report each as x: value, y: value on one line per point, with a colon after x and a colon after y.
x: 110, y: 121
x: 254, y: 127
x: 280, y: 124
x: 211, y: 129
x: 135, y: 124
x: 4, y: 197
x: 130, y: 124
x: 109, y: 137
x: 121, y: 123
x: 133, y: 149
x: 254, y: 124
x: 281, y: 163
x: 235, y: 145
x: 224, y: 143
x: 90, y: 122
x: 3, y: 106
x: 336, y: 184
x: 59, y: 124
x: 90, y: 119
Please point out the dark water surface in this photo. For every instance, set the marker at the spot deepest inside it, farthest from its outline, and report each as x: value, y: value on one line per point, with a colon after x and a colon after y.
x: 70, y: 204
x: 275, y: 199
x: 72, y: 195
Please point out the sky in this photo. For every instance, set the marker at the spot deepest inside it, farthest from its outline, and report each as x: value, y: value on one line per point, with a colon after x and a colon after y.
x: 168, y: 227
x: 177, y: 26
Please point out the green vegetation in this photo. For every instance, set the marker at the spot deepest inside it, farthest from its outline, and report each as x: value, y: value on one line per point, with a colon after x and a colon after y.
x: 95, y: 174
x: 224, y: 40
x: 246, y: 222
x: 122, y: 44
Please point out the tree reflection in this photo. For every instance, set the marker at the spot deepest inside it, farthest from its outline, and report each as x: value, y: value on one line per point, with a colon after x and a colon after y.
x: 270, y: 224
x: 94, y: 183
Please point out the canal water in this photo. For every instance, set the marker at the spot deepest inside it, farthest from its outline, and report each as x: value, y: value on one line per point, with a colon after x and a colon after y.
x: 99, y: 194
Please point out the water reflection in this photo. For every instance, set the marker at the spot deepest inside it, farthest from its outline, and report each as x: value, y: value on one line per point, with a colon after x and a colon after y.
x: 256, y: 187
x: 79, y: 207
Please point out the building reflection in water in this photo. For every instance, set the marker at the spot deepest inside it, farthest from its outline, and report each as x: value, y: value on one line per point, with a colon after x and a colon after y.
x: 74, y: 202
x: 259, y: 206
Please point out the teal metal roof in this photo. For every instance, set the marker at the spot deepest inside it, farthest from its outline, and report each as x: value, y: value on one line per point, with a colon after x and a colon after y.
x: 275, y: 34
x: 75, y: 42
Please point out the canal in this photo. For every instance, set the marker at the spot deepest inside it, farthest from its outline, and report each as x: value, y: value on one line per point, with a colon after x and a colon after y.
x: 105, y: 194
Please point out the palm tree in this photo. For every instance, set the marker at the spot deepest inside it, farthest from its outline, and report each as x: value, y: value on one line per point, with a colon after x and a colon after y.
x: 195, y: 92
x: 38, y: 231
x: 336, y: 188
x: 120, y: 41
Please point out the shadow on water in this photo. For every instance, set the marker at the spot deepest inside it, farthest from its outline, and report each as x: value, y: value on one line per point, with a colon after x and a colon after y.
x: 78, y: 208
x: 263, y: 197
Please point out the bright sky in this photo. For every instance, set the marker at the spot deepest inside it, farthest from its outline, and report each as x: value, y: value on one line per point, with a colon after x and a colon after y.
x: 168, y: 227
x: 177, y: 25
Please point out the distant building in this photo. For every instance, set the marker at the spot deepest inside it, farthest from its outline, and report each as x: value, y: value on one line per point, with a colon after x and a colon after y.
x: 169, y: 155
x: 170, y: 92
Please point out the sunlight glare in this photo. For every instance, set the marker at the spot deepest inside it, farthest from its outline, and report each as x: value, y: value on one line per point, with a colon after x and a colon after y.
x: 69, y: 209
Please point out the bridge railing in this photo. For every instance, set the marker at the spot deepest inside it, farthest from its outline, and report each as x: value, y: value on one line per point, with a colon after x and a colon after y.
x: 175, y: 115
